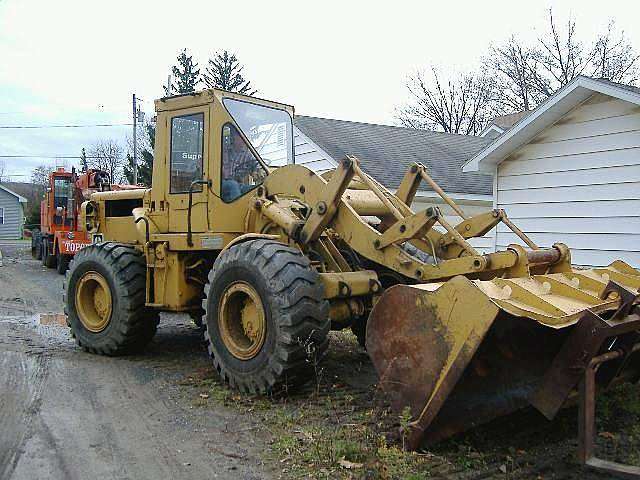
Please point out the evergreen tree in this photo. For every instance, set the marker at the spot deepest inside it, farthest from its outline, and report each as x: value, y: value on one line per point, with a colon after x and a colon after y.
x: 225, y: 71
x: 145, y: 164
x: 186, y: 75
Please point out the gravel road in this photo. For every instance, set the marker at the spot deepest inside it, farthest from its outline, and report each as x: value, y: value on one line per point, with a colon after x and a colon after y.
x: 66, y: 414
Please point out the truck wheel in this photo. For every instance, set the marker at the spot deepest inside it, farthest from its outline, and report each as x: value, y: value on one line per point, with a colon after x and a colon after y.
x: 359, y: 329
x: 62, y: 262
x: 266, y: 320
x: 43, y: 247
x: 48, y: 257
x: 35, y: 234
x: 104, y: 298
x: 39, y: 248
x: 196, y: 316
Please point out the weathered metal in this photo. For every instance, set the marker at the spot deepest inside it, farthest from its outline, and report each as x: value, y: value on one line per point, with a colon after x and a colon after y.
x: 586, y: 417
x: 465, y: 352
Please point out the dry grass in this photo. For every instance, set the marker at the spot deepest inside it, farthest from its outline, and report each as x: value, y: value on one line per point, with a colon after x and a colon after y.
x: 340, y: 427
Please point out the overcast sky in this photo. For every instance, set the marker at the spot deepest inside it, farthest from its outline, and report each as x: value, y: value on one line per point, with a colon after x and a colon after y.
x: 78, y: 62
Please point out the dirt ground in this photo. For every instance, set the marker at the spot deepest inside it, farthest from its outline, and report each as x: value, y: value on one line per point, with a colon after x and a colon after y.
x: 66, y: 414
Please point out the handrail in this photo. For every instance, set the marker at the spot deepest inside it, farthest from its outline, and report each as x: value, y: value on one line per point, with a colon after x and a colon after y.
x: 208, y: 183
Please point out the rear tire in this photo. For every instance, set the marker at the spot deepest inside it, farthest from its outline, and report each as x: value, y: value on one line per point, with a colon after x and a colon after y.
x: 35, y: 240
x: 295, y: 319
x: 359, y: 329
x: 197, y: 318
x: 115, y: 272
x: 48, y: 258
x: 39, y: 248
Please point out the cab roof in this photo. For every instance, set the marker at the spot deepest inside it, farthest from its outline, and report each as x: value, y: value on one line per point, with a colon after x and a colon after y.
x: 204, y: 97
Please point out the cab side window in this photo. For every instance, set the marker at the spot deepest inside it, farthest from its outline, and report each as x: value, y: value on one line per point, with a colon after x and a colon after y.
x: 187, y: 133
x: 241, y: 170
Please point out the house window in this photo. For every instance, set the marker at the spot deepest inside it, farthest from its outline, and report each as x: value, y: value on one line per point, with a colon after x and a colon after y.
x: 1, y: 216
x: 187, y: 134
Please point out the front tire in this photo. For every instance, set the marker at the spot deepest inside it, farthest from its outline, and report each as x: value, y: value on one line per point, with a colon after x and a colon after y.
x: 104, y: 298
x: 266, y: 320
x: 62, y: 262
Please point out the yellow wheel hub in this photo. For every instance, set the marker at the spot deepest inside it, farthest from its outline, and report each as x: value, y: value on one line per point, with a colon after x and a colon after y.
x: 241, y: 320
x: 93, y: 301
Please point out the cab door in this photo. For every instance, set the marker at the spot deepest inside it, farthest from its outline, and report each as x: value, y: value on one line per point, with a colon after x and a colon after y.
x: 188, y: 151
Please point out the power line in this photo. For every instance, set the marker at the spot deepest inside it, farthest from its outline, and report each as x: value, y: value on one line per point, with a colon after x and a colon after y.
x: 45, y: 156
x: 65, y: 126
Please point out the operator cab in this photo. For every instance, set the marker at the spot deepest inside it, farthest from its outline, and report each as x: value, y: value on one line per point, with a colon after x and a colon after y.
x: 260, y: 138
x: 62, y: 198
x: 214, y: 148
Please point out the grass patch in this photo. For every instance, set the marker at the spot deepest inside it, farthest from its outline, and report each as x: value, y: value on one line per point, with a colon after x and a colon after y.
x: 340, y: 428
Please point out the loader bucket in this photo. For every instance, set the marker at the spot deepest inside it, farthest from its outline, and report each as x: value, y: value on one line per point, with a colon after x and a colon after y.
x: 461, y: 353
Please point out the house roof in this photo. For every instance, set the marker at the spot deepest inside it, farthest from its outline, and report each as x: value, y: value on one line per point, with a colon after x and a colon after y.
x: 499, y: 124
x: 507, y: 121
x: 386, y: 152
x: 21, y: 199
x: 547, y: 113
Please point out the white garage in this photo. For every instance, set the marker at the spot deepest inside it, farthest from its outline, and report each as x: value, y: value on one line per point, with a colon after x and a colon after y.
x: 570, y: 172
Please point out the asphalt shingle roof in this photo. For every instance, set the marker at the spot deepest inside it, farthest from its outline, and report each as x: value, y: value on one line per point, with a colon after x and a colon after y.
x: 386, y: 152
x: 507, y: 121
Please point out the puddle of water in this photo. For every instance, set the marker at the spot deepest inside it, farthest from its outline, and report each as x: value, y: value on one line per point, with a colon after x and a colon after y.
x: 50, y: 325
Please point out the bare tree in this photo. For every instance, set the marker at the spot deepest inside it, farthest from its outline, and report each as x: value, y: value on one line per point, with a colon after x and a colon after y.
x: 108, y: 155
x: 514, y: 69
x: 562, y: 55
x: 614, y: 58
x: 458, y: 105
x: 3, y: 168
x: 527, y: 75
x: 40, y: 175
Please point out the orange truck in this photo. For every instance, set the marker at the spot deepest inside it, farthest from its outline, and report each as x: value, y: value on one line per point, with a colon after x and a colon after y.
x: 59, y: 237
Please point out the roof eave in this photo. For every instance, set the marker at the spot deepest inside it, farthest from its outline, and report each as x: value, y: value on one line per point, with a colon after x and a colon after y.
x: 20, y: 198
x: 492, y: 127
x: 570, y: 96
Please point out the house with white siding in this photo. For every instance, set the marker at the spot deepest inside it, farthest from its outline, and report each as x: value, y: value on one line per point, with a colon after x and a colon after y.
x: 569, y: 171
x: 386, y: 153
x: 11, y: 214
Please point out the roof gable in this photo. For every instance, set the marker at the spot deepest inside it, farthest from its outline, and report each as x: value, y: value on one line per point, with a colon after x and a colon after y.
x: 546, y: 114
x: 21, y: 199
x: 386, y: 152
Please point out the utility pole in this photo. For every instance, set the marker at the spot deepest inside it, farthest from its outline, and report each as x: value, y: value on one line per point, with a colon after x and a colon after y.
x: 135, y: 142
x: 83, y: 158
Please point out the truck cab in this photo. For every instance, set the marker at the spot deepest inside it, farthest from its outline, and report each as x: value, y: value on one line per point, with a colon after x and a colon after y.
x: 59, y: 237
x: 56, y: 211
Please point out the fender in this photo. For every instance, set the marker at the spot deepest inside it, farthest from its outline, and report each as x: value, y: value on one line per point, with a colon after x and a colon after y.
x: 249, y: 236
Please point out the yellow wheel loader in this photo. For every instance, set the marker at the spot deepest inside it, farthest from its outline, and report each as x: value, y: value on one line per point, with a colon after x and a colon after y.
x: 269, y: 256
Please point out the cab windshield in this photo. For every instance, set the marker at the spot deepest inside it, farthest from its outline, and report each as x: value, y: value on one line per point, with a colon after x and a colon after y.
x: 61, y: 191
x: 269, y: 130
